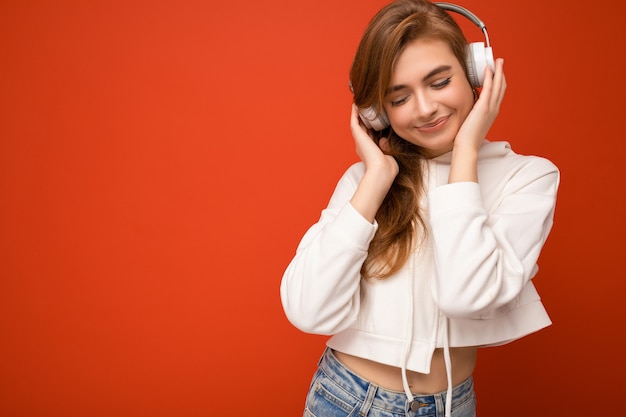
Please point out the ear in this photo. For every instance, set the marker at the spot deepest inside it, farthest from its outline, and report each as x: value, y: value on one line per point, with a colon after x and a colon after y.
x: 383, y: 143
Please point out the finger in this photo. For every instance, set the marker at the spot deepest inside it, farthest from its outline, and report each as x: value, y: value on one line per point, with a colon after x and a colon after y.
x: 498, y: 82
x: 355, y: 125
x: 485, y: 88
x: 354, y: 116
x: 493, y: 81
x: 502, y: 91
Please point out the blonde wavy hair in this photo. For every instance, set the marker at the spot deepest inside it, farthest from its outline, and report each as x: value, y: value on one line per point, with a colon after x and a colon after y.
x: 400, y: 224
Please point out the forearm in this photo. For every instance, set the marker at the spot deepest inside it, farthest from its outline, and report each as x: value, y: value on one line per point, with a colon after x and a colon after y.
x: 464, y: 165
x: 320, y: 287
x: 486, y: 255
x: 370, y: 193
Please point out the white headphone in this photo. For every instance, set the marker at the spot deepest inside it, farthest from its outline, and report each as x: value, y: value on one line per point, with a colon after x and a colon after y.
x: 478, y: 57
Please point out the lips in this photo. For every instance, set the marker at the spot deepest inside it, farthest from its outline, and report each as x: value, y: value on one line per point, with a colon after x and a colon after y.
x: 433, y: 126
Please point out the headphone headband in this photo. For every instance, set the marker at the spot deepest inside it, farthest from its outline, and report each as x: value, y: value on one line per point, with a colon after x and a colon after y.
x: 469, y: 15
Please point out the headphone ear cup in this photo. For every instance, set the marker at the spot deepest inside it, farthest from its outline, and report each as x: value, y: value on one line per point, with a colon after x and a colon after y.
x: 478, y: 57
x: 372, y: 119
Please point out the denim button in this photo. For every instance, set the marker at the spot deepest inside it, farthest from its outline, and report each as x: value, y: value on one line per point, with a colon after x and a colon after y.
x: 416, y: 405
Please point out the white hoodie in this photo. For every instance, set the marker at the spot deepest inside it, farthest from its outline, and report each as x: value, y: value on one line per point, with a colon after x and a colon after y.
x: 468, y: 284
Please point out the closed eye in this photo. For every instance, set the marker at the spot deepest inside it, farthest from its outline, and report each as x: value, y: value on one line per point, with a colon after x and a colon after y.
x: 437, y: 86
x: 400, y: 101
x: 441, y: 84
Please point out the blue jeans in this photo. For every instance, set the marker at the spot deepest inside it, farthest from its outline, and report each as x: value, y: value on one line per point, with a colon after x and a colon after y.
x: 337, y: 392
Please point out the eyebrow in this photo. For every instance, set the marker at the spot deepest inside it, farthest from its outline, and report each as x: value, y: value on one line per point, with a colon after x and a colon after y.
x: 432, y: 73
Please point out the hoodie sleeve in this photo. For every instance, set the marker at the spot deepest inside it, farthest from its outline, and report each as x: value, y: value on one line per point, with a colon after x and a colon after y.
x: 320, y: 287
x: 484, y: 258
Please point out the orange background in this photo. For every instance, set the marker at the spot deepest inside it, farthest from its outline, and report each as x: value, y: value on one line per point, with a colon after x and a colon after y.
x: 160, y: 160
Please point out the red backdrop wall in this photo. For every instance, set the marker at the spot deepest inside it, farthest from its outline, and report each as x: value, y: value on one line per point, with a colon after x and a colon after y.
x: 160, y: 160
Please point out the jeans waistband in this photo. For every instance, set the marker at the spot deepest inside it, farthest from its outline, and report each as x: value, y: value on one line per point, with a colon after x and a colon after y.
x: 394, y: 401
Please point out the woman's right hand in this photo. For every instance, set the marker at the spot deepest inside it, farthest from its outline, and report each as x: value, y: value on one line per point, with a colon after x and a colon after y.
x: 372, y: 155
x: 380, y: 169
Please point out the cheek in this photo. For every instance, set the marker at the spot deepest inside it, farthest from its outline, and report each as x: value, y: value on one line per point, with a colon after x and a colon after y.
x: 458, y: 97
x: 467, y: 108
x: 462, y: 100
x: 400, y: 116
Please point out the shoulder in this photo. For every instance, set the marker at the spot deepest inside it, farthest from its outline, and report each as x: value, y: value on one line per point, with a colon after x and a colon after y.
x: 500, y: 157
x: 502, y: 171
x: 347, y: 184
x: 355, y: 170
x: 353, y: 174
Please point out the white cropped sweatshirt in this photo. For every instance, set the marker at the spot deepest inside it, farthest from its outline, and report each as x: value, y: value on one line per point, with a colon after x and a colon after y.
x: 467, y: 284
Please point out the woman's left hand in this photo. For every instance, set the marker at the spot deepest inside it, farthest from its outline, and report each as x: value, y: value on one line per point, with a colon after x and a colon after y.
x: 469, y: 138
x: 483, y: 114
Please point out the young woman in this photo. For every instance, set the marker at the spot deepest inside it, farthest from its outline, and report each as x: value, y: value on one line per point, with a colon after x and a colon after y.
x: 427, y: 248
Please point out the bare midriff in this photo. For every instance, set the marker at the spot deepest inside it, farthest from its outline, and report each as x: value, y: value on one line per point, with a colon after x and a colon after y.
x: 463, y: 362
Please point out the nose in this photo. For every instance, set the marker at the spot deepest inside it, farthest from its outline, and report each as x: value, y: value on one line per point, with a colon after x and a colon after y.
x: 425, y: 106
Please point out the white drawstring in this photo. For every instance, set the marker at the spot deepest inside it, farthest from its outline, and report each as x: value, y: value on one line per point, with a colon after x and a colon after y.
x: 409, y: 337
x: 448, y: 362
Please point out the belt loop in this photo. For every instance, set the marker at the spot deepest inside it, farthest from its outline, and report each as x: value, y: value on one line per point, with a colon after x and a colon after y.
x: 369, y: 399
x: 440, y: 403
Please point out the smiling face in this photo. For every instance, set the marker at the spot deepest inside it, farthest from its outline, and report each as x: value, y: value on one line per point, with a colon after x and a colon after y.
x: 429, y: 96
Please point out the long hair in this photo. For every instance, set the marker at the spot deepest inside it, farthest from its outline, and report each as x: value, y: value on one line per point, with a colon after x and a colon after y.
x: 400, y: 224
